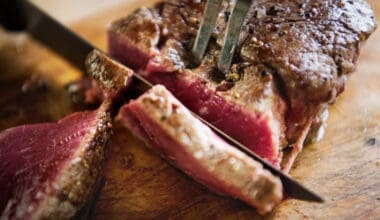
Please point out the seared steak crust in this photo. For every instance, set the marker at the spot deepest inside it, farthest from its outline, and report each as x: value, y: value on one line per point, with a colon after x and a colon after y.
x: 113, y: 77
x: 312, y: 45
x: 107, y: 80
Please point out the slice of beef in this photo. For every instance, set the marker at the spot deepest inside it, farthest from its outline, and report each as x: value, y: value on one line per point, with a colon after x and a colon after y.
x: 49, y: 170
x: 107, y: 80
x: 304, y: 49
x: 170, y: 129
x: 113, y: 77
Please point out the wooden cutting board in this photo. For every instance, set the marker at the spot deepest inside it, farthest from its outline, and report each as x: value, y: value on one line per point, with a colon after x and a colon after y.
x: 344, y: 167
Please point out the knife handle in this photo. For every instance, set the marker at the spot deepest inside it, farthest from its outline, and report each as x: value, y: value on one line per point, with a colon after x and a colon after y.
x: 10, y: 15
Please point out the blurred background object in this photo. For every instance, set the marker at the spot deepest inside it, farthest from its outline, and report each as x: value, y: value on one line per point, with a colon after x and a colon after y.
x: 72, y: 10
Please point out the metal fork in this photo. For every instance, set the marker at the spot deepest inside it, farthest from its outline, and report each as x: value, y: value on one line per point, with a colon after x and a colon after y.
x: 231, y: 37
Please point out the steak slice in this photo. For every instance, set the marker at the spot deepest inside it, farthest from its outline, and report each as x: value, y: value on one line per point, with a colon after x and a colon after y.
x: 107, y: 80
x: 112, y: 77
x: 170, y: 129
x: 304, y: 49
x: 49, y: 170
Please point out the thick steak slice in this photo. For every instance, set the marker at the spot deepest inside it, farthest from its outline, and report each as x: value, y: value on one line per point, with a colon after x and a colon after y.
x: 49, y: 170
x: 306, y: 47
x: 170, y: 129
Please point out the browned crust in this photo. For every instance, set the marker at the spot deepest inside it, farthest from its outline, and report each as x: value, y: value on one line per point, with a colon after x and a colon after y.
x: 75, y: 184
x: 112, y: 75
x: 143, y: 38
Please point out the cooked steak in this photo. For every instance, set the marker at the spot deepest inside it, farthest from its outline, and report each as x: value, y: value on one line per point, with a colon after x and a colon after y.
x: 113, y: 77
x: 171, y: 130
x: 292, y: 61
x: 107, y: 80
x: 49, y: 170
x: 235, y: 110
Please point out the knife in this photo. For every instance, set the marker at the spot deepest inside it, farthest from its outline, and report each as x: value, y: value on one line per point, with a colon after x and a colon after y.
x: 75, y: 49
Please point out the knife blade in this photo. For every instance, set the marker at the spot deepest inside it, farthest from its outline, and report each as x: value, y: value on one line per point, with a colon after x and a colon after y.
x: 54, y: 35
x: 75, y: 49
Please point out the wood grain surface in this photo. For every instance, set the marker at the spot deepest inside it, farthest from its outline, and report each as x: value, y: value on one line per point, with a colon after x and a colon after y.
x: 344, y: 167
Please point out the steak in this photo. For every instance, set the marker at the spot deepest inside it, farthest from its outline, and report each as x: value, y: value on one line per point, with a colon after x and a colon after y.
x: 170, y: 129
x: 107, y: 80
x: 49, y: 170
x: 113, y: 78
x: 292, y: 61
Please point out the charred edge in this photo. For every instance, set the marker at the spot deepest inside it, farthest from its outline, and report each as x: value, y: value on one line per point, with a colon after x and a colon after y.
x: 80, y: 178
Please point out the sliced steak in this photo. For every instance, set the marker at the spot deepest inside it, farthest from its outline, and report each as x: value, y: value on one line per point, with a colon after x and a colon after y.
x: 170, y: 129
x: 49, y: 170
x: 254, y: 116
x: 303, y: 50
x: 113, y: 77
x: 107, y: 80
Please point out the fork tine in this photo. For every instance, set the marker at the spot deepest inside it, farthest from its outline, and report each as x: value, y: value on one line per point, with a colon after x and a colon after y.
x: 207, y: 26
x: 231, y: 36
